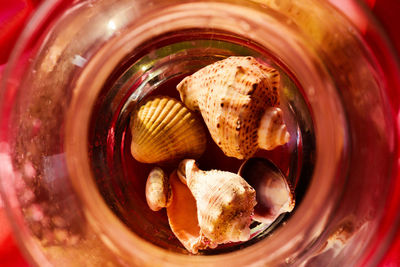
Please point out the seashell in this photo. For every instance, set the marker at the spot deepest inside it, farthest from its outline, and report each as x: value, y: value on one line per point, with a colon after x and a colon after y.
x: 224, y: 200
x: 182, y: 218
x: 274, y: 195
x: 158, y: 190
x: 238, y: 98
x: 164, y: 130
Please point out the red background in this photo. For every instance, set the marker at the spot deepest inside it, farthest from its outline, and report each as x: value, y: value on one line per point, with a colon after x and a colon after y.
x: 13, y: 16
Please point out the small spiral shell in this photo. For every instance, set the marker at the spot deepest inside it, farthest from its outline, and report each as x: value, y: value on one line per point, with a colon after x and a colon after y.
x: 158, y: 190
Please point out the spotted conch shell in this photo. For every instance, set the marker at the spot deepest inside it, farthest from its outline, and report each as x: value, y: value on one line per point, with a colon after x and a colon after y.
x: 238, y: 98
x: 164, y: 130
x: 225, y: 202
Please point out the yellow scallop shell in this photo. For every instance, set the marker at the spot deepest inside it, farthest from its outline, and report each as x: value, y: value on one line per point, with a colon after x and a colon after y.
x: 164, y: 130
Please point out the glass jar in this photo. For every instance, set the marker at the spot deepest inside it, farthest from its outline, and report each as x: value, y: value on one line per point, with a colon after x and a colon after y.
x: 75, y: 197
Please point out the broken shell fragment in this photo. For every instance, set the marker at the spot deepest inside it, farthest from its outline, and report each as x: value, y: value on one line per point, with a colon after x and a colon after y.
x: 239, y: 100
x: 158, y: 190
x: 274, y: 195
x: 164, y: 130
x: 182, y: 218
x: 224, y: 200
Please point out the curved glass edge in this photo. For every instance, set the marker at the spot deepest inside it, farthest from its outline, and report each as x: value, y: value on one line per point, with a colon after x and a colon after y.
x: 36, y: 28
x: 388, y: 59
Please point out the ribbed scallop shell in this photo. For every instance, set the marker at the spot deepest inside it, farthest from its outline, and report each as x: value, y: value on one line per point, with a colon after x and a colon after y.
x: 164, y: 130
x: 225, y: 202
x: 238, y: 98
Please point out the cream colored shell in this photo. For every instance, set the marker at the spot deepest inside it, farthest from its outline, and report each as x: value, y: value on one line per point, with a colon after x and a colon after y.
x: 164, y: 130
x: 182, y: 218
x: 206, y: 208
x: 239, y: 100
x: 225, y: 202
x: 158, y: 190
